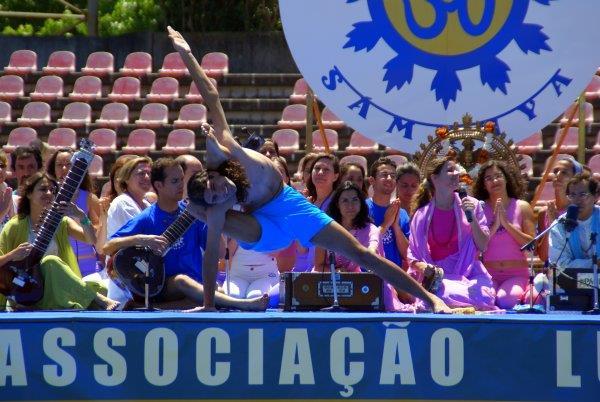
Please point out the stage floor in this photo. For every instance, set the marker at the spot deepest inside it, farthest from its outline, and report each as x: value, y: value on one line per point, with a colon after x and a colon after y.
x: 310, y: 355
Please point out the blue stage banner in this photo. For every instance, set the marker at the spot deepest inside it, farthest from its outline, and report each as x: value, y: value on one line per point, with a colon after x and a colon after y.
x: 167, y: 356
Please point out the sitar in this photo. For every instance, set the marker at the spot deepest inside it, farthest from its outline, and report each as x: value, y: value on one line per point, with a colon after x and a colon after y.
x: 139, y: 266
x: 22, y: 281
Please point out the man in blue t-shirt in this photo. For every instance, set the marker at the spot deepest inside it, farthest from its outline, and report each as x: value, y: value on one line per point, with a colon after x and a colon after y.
x: 395, y: 232
x: 183, y: 260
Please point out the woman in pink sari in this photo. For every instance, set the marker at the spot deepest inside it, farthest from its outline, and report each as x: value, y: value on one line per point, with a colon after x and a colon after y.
x: 441, y: 237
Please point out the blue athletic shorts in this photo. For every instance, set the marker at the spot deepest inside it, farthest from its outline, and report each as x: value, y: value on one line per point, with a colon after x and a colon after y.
x: 287, y: 217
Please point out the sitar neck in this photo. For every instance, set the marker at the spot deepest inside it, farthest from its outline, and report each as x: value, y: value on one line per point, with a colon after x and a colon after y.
x: 178, y: 227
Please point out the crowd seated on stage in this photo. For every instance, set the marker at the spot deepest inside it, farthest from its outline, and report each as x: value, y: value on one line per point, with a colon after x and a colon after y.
x: 464, y: 249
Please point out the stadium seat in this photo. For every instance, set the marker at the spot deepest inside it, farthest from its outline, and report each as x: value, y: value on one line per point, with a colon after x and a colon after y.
x: 104, y: 139
x: 99, y: 64
x: 22, y: 62
x: 589, y: 115
x: 361, y: 145
x: 547, y: 194
x: 215, y: 64
x: 164, y: 90
x: 592, y: 91
x: 293, y: 116
x: 11, y: 87
x: 330, y: 120
x: 357, y: 159
x: 526, y: 165
x: 398, y: 159
x: 5, y: 113
x: 140, y: 142
x: 125, y: 89
x: 288, y: 140
x: 530, y: 145
x: 300, y: 91
x: 137, y: 64
x: 35, y: 114
x: 48, y: 88
x: 62, y: 137
x: 332, y: 139
x: 180, y: 141
x: 86, y: 88
x: 153, y: 115
x: 96, y: 169
x: 571, y: 142
x: 594, y: 164
x: 193, y: 95
x: 19, y: 137
x: 173, y: 66
x: 391, y: 151
x: 113, y: 115
x: 61, y: 62
x: 76, y: 114
x: 191, y: 115
x: 596, y: 147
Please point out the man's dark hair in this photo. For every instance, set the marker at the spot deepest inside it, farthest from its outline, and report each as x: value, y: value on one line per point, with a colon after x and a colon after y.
x: 159, y: 166
x: 586, y: 179
x: 230, y: 169
x: 384, y: 160
x: 26, y: 152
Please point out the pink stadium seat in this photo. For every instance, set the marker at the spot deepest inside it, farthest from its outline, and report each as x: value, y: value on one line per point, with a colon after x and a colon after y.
x: 589, y: 115
x: 76, y: 114
x: 293, y: 116
x: 332, y: 139
x: 86, y: 88
x: 140, y: 141
x: 99, y: 64
x: 47, y: 89
x: 193, y: 95
x: 19, y: 137
x: 571, y: 142
x: 125, y: 89
x: 531, y: 144
x: 526, y: 165
x: 398, y: 159
x: 153, y: 115
x: 137, y: 64
x: 61, y: 62
x: 96, y: 169
x: 35, y: 114
x: 547, y: 194
x: 596, y: 147
x: 180, y: 141
x: 592, y: 91
x: 173, y: 66
x: 361, y: 145
x: 391, y: 151
x: 300, y: 91
x: 22, y: 62
x: 191, y: 115
x: 357, y: 159
x: 215, y: 64
x: 113, y: 115
x: 594, y: 164
x: 330, y: 120
x: 62, y: 137
x: 164, y: 89
x: 288, y: 140
x: 105, y: 140
x: 11, y: 87
x: 5, y: 113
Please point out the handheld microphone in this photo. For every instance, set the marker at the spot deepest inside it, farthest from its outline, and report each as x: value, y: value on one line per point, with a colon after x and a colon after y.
x: 462, y: 193
x: 570, y: 219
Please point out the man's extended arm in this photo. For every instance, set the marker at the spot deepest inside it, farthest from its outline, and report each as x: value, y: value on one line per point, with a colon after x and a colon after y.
x: 155, y: 243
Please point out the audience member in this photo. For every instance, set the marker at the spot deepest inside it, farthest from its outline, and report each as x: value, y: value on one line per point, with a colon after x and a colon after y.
x: 355, y: 173
x: 408, y: 177
x: 269, y: 148
x: 7, y: 208
x: 25, y: 161
x: 191, y: 165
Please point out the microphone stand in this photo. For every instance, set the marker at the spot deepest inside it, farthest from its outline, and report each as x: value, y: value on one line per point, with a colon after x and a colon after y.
x: 595, y: 310
x: 334, y: 276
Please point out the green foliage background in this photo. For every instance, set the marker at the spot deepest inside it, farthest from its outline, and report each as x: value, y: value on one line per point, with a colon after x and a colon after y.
x: 117, y: 17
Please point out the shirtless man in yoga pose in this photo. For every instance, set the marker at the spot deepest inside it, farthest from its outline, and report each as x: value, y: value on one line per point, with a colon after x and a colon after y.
x: 273, y: 214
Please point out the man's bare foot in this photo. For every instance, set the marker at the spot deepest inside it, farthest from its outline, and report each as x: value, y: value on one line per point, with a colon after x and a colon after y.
x: 201, y: 309
x: 256, y: 304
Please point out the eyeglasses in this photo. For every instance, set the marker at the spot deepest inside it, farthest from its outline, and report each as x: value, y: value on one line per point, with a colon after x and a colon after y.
x: 578, y: 196
x: 497, y: 176
x: 385, y: 175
